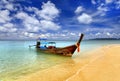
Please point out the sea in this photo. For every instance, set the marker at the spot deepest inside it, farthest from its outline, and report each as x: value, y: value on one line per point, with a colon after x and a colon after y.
x: 17, y: 59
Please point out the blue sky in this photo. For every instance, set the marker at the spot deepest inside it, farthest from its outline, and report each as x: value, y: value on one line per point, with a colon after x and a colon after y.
x: 59, y: 19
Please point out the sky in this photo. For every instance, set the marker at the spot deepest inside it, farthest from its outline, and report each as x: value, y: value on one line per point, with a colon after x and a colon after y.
x: 59, y: 19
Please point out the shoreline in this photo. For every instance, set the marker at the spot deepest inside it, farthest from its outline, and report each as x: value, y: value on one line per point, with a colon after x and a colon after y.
x: 100, y: 64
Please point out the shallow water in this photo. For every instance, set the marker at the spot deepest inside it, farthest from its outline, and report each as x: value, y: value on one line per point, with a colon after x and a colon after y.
x: 17, y: 59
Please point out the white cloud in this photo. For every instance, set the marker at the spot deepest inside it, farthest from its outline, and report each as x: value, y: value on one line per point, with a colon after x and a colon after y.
x: 94, y: 29
x: 32, y: 9
x: 27, y: 18
x: 85, y: 18
x: 6, y: 4
x: 49, y: 11
x: 4, y: 16
x: 72, y: 34
x: 117, y: 4
x: 9, y: 6
x: 44, y: 35
x: 108, y: 34
x: 4, y: 1
x: 102, y: 35
x: 79, y: 9
x: 21, y: 15
x: 28, y: 34
x: 93, y: 1
x: 97, y: 34
x: 107, y: 4
x: 30, y: 23
x: 49, y: 25
x: 8, y: 27
x: 103, y: 8
x: 60, y: 35
x: 41, y: 20
x: 108, y: 1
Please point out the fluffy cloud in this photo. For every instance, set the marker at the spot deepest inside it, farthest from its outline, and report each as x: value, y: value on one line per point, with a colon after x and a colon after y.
x: 30, y: 23
x: 49, y: 25
x: 60, y: 35
x: 8, y: 27
x: 109, y: 4
x: 28, y: 18
x: 9, y: 6
x: 85, y: 18
x: 103, y: 8
x: 48, y: 12
x: 29, y: 35
x: 4, y: 16
x: 40, y: 20
x: 101, y: 1
x: 79, y: 9
x: 117, y: 4
x: 82, y: 17
x: 93, y: 2
x: 5, y: 4
x: 108, y: 1
x: 45, y: 20
x: 102, y: 35
x: 108, y: 31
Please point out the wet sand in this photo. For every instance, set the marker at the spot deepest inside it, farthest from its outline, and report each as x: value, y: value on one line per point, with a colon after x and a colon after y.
x: 102, y: 64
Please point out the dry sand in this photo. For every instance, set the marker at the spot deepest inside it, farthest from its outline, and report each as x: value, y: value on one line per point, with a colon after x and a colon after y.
x: 102, y: 64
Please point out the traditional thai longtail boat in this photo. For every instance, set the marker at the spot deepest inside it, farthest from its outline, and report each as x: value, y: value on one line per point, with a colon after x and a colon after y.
x: 65, y: 51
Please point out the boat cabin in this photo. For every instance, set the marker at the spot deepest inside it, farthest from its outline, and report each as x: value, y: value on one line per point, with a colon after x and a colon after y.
x: 44, y: 44
x: 51, y: 45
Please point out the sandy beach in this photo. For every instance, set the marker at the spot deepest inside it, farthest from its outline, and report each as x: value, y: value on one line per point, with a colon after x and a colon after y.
x: 100, y: 64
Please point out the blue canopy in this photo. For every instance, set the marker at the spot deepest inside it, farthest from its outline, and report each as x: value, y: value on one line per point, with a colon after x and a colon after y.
x: 44, y: 42
x: 41, y: 39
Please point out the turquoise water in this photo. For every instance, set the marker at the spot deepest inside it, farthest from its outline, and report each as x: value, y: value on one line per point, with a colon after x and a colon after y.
x: 17, y: 59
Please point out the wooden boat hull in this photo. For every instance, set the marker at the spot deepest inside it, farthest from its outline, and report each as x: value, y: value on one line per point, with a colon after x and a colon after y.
x: 66, y: 51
